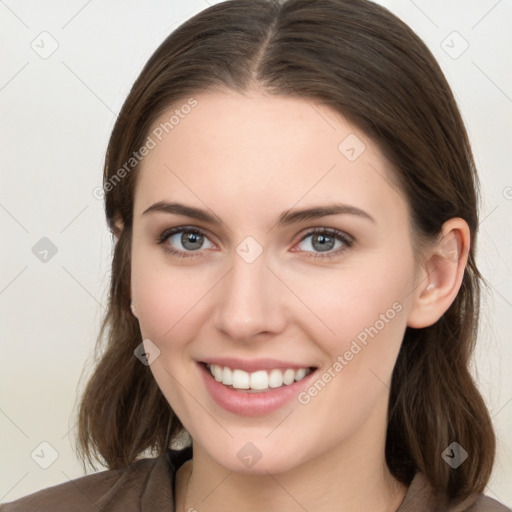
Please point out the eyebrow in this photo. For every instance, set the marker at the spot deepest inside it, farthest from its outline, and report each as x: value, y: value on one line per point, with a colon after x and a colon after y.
x: 286, y: 218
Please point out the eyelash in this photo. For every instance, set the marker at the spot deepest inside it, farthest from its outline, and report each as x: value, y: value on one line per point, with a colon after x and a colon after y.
x: 334, y: 233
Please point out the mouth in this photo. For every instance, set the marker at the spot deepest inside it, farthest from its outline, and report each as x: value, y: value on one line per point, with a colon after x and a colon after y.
x: 255, y: 395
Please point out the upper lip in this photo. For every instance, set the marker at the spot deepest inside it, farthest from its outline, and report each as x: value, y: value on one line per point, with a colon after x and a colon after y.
x: 253, y: 365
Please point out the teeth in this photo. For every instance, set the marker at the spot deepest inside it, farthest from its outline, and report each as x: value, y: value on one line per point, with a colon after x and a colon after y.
x: 275, y: 379
x: 240, y: 379
x: 259, y: 380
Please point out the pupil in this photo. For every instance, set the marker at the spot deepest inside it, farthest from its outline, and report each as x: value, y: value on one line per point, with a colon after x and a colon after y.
x: 323, y: 245
x: 191, y: 238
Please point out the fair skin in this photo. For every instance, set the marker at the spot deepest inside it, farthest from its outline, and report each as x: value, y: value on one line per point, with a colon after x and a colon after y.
x: 247, y: 159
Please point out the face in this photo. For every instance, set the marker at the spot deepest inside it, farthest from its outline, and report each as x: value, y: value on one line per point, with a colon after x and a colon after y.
x: 256, y: 293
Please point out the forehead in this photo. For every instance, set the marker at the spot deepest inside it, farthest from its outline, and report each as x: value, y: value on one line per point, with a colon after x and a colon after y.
x: 259, y: 151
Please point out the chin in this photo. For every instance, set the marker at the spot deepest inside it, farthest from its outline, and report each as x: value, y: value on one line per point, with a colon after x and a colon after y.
x: 256, y: 458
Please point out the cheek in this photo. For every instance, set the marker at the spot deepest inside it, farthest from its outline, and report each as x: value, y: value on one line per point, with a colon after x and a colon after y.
x: 170, y: 299
x: 360, y: 330
x: 160, y: 294
x: 360, y: 311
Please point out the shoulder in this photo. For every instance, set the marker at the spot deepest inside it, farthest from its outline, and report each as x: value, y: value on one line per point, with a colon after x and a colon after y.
x: 485, y: 504
x: 127, y: 489
x: 422, y: 497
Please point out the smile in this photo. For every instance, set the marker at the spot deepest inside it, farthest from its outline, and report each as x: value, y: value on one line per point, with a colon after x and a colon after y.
x: 258, y: 380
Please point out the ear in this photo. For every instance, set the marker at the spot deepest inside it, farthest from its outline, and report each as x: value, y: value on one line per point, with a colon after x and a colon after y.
x: 117, y: 227
x: 441, y: 274
x: 116, y: 231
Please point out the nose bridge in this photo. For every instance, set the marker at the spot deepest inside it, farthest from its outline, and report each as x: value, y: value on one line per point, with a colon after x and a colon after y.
x: 248, y: 302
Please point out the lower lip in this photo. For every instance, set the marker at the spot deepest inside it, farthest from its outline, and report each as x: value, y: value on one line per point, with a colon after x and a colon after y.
x: 252, y: 404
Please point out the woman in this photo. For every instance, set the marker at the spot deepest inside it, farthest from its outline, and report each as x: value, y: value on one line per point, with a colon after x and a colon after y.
x: 294, y: 204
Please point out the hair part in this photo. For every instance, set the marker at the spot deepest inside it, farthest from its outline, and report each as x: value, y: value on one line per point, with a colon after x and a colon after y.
x: 362, y: 61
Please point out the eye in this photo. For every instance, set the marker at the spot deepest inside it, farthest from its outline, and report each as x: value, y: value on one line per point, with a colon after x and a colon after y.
x: 323, y: 240
x: 191, y: 240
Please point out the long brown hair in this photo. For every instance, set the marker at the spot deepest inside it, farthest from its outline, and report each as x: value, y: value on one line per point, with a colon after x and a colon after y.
x: 362, y: 61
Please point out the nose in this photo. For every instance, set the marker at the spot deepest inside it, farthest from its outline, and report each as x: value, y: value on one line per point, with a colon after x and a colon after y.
x: 250, y: 301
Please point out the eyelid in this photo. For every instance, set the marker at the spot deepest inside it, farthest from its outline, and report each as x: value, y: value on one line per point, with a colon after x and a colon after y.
x: 166, y: 233
x: 329, y: 231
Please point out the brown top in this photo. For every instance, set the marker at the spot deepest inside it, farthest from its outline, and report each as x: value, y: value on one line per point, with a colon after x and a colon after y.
x: 144, y: 487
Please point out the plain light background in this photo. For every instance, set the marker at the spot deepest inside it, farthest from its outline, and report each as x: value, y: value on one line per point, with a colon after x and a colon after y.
x: 56, y: 114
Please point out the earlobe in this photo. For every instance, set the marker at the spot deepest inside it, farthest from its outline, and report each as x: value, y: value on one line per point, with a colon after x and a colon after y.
x: 133, y: 307
x: 442, y: 274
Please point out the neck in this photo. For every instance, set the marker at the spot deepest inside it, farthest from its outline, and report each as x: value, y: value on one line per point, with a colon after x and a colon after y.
x: 352, y: 476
